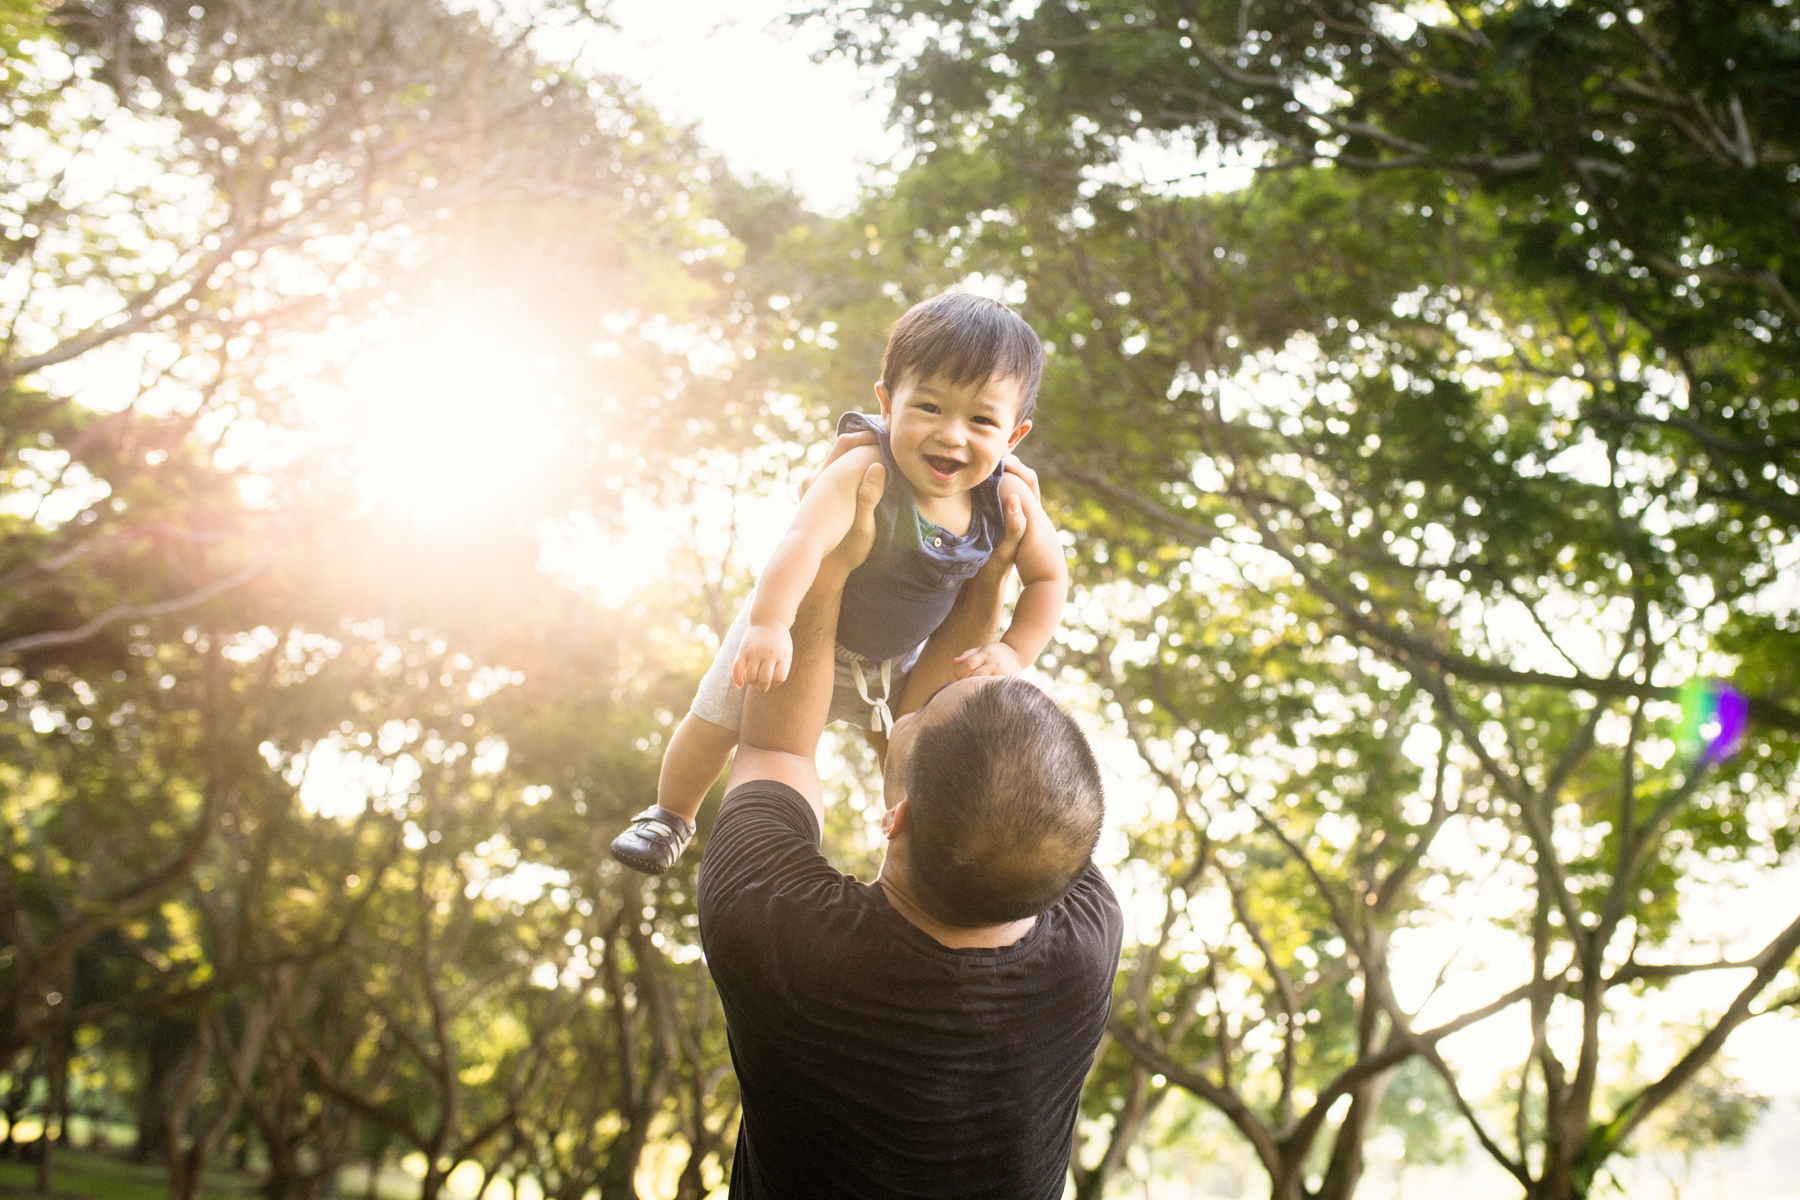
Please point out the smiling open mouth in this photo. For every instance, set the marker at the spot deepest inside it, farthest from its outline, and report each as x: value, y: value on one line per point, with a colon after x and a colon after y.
x: 943, y: 468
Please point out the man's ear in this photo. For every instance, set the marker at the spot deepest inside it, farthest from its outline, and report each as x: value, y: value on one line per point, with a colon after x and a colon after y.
x: 893, y: 821
x: 1018, y: 434
x: 886, y: 400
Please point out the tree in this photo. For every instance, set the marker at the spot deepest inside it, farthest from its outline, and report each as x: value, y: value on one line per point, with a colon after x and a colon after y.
x: 1387, y: 408
x: 1714, y: 1111
x: 1635, y: 163
x: 180, y: 614
x: 124, y: 517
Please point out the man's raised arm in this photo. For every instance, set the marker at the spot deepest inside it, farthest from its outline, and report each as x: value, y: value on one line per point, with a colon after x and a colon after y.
x: 779, y: 735
x: 973, y: 622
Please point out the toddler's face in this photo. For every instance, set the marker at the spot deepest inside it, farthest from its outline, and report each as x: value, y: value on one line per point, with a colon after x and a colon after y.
x: 948, y: 437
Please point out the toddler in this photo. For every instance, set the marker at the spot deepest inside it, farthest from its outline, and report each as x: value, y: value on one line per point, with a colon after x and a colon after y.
x: 959, y: 381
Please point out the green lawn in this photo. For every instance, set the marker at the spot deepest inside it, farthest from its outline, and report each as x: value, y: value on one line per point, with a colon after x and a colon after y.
x: 106, y: 1178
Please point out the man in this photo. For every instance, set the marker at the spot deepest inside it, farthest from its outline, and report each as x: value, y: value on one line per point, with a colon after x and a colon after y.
x: 926, y: 1035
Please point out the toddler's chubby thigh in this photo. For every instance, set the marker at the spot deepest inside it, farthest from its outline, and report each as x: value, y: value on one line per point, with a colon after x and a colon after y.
x: 716, y: 700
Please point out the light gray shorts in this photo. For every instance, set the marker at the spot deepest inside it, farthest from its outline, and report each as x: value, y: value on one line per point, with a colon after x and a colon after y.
x: 722, y: 704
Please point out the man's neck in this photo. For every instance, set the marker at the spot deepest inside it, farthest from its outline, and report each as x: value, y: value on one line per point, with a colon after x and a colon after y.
x: 954, y: 937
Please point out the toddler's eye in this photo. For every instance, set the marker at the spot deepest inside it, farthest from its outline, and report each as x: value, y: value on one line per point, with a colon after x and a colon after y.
x: 987, y: 421
x: 926, y: 406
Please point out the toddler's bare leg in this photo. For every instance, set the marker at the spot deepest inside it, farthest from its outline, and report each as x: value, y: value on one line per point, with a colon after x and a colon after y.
x: 697, y: 753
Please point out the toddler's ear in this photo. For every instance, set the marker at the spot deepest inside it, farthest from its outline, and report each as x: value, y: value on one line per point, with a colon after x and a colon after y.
x: 884, y: 399
x: 1018, y: 434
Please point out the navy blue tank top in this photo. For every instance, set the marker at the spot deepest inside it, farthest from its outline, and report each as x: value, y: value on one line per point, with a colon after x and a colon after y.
x: 907, y: 585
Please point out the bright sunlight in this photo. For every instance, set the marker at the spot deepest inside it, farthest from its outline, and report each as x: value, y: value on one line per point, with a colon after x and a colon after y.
x: 448, y: 424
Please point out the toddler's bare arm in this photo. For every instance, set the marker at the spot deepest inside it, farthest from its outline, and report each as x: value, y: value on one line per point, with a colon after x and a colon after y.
x: 1044, y: 576
x: 824, y: 517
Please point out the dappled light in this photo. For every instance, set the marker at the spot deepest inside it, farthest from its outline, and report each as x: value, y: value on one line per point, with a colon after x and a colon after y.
x: 399, y: 399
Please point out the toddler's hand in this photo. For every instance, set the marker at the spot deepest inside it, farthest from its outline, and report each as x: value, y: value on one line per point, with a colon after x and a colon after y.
x: 995, y: 658
x: 763, y: 657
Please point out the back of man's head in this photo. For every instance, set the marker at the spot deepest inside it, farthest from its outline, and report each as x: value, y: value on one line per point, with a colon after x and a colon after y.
x: 1005, y: 806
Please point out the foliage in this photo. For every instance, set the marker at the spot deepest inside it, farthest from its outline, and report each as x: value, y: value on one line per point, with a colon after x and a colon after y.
x: 1404, y: 486
x: 1408, y: 482
x: 308, y: 790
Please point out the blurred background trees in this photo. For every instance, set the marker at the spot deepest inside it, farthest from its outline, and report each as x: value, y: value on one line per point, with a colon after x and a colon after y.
x: 307, y: 756
x: 390, y: 411
x: 1416, y: 475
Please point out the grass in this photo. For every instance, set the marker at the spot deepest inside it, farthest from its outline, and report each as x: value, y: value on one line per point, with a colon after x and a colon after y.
x: 106, y: 1178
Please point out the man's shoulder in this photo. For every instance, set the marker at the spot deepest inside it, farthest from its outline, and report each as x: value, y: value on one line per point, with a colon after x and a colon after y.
x: 762, y: 811
x: 1092, y: 887
x: 773, y: 910
x: 1090, y: 917
x: 766, y: 838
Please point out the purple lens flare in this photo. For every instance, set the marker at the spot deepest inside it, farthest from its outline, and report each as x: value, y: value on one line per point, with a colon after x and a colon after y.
x: 1713, y: 716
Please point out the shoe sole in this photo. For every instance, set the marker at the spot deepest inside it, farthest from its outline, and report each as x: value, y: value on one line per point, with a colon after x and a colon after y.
x: 639, y: 865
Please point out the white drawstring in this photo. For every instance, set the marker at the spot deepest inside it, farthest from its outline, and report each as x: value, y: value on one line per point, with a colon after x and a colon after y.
x: 880, y: 717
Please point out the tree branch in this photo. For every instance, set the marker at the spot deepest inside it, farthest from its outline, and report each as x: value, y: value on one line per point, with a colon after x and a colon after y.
x: 1407, y: 650
x: 134, y: 612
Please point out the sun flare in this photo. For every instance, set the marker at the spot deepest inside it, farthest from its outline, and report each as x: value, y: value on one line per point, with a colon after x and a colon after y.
x: 451, y: 423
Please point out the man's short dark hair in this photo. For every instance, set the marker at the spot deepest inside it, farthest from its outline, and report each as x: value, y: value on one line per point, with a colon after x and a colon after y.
x: 1005, y: 806
x: 965, y: 339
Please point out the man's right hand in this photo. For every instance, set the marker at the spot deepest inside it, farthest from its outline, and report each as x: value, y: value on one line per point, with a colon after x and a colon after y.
x: 856, y: 544
x: 1023, y: 474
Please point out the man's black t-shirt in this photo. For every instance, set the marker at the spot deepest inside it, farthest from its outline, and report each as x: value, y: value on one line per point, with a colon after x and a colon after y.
x: 873, y: 1061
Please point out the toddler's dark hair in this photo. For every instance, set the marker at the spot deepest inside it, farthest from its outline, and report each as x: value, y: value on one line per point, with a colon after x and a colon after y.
x: 965, y: 339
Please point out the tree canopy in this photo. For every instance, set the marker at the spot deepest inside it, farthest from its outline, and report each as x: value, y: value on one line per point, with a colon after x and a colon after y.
x: 1420, y: 416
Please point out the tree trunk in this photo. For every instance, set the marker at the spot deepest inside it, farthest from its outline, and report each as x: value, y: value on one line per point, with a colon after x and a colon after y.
x: 618, y: 1181
x: 323, y: 1183
x: 285, y: 1179
x: 433, y: 1183
x: 1558, y: 1183
x: 1289, y: 1183
x: 640, y: 1099
x: 185, y: 1169
x: 57, y: 1046
x: 692, y: 1184
x: 1346, y: 1169
x: 703, y: 1142
x: 168, y: 1043
x: 1140, y: 1102
x: 186, y: 1161
x: 16, y: 1097
x: 278, y: 1184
